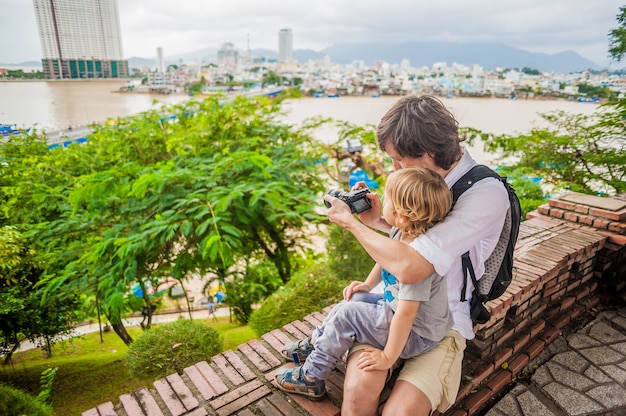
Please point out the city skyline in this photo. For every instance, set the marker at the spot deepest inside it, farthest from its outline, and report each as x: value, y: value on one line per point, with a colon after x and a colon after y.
x: 533, y: 25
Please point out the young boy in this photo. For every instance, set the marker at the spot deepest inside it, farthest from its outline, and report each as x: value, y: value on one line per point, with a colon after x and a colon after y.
x: 405, y: 321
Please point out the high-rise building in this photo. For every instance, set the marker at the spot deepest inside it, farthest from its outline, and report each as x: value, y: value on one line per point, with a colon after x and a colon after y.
x: 80, y: 39
x: 160, y: 60
x: 285, y: 45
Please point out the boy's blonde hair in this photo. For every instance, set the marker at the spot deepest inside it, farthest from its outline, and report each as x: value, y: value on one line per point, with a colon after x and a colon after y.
x: 420, y: 197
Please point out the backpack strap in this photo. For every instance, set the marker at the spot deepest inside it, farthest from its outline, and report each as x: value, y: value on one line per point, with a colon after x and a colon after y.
x: 467, y: 267
x: 466, y: 181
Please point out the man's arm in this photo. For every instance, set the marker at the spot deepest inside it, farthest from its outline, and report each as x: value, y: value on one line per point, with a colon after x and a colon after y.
x: 401, y: 324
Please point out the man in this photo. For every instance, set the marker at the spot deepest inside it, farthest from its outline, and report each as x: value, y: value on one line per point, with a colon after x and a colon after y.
x: 421, y: 132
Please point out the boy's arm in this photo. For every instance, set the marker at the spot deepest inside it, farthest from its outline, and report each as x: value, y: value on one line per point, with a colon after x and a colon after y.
x: 401, y: 324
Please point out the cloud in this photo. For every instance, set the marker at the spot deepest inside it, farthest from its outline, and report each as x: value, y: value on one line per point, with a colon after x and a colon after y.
x: 190, y: 25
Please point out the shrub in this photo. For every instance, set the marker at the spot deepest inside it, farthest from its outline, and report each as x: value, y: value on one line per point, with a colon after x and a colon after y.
x: 15, y: 402
x: 347, y: 259
x: 172, y: 347
x: 308, y: 291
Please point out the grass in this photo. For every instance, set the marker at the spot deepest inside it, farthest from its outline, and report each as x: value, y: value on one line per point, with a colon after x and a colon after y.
x: 91, y: 373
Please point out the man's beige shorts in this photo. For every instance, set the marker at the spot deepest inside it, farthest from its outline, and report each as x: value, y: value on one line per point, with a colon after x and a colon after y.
x: 436, y: 373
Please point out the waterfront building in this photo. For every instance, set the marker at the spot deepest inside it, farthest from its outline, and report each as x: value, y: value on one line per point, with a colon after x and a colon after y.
x: 285, y: 45
x: 80, y: 39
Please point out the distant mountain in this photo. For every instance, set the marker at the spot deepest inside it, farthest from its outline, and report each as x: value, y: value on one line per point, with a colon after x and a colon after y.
x: 487, y: 55
x: 25, y: 66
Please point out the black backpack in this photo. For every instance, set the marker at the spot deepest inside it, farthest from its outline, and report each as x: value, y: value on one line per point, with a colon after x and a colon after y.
x: 499, y: 265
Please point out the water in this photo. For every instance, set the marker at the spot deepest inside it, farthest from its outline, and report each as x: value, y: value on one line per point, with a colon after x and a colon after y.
x: 56, y: 105
x: 53, y: 106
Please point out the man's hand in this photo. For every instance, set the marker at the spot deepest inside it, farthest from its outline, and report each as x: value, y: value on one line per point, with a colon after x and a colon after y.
x: 339, y: 212
x: 354, y: 287
x: 373, y: 359
x: 372, y: 217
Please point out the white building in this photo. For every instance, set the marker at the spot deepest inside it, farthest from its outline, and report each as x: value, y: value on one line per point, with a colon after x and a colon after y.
x: 160, y: 60
x: 80, y: 39
x: 285, y: 45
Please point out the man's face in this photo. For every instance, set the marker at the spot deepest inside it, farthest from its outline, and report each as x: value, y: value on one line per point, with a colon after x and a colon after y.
x: 400, y: 162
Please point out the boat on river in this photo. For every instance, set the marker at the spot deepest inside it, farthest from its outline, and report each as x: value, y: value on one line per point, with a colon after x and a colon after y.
x: 11, y: 129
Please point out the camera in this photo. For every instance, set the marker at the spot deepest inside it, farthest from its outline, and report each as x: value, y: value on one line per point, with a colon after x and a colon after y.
x: 357, y: 200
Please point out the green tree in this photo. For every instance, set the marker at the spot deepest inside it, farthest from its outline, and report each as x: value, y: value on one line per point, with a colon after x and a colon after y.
x: 617, y: 37
x: 582, y: 153
x: 154, y: 197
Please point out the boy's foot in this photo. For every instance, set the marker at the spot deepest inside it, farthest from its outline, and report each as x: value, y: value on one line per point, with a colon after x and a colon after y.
x: 292, y: 380
x: 300, y: 349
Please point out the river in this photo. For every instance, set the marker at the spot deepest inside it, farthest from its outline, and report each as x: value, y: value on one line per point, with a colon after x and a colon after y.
x: 55, y: 105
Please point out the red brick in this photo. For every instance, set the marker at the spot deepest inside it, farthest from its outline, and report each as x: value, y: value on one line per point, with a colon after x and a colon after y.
x: 534, y: 349
x: 541, y: 308
x: 321, y: 408
x: 174, y: 405
x: 132, y: 407
x: 481, y: 373
x: 303, y: 327
x: 313, y: 320
x: 253, y: 356
x: 611, y: 215
x: 502, y: 355
x: 148, y: 403
x: 601, y: 224
x: 557, y: 213
x: 537, y: 327
x: 561, y: 321
x: 222, y: 363
x: 277, y: 339
x: 499, y: 381
x: 551, y: 334
x: 275, y: 405
x: 544, y: 209
x: 182, y: 391
x: 239, y: 365
x: 201, y: 411
x: 557, y: 296
x: 295, y: 331
x: 582, y: 209
x: 465, y: 389
x: 517, y: 364
x: 555, y: 202
x: 520, y: 341
x: 211, y: 377
x: 570, y: 216
x: 200, y: 383
x: 576, y: 311
x: 587, y: 220
x: 567, y: 302
x: 477, y: 400
x: 239, y: 398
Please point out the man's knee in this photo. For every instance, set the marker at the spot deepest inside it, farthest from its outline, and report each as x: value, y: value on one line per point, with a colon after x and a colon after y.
x: 407, y: 400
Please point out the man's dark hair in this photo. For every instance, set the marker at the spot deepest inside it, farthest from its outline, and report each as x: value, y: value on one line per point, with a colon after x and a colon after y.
x: 419, y: 125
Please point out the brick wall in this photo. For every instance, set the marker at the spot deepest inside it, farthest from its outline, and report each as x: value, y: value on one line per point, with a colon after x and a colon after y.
x: 570, y: 256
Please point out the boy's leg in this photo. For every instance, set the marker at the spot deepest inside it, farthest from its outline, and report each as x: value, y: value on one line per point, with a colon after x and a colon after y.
x: 365, y: 322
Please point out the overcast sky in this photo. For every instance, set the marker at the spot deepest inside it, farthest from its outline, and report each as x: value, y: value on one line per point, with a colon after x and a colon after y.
x: 548, y: 26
